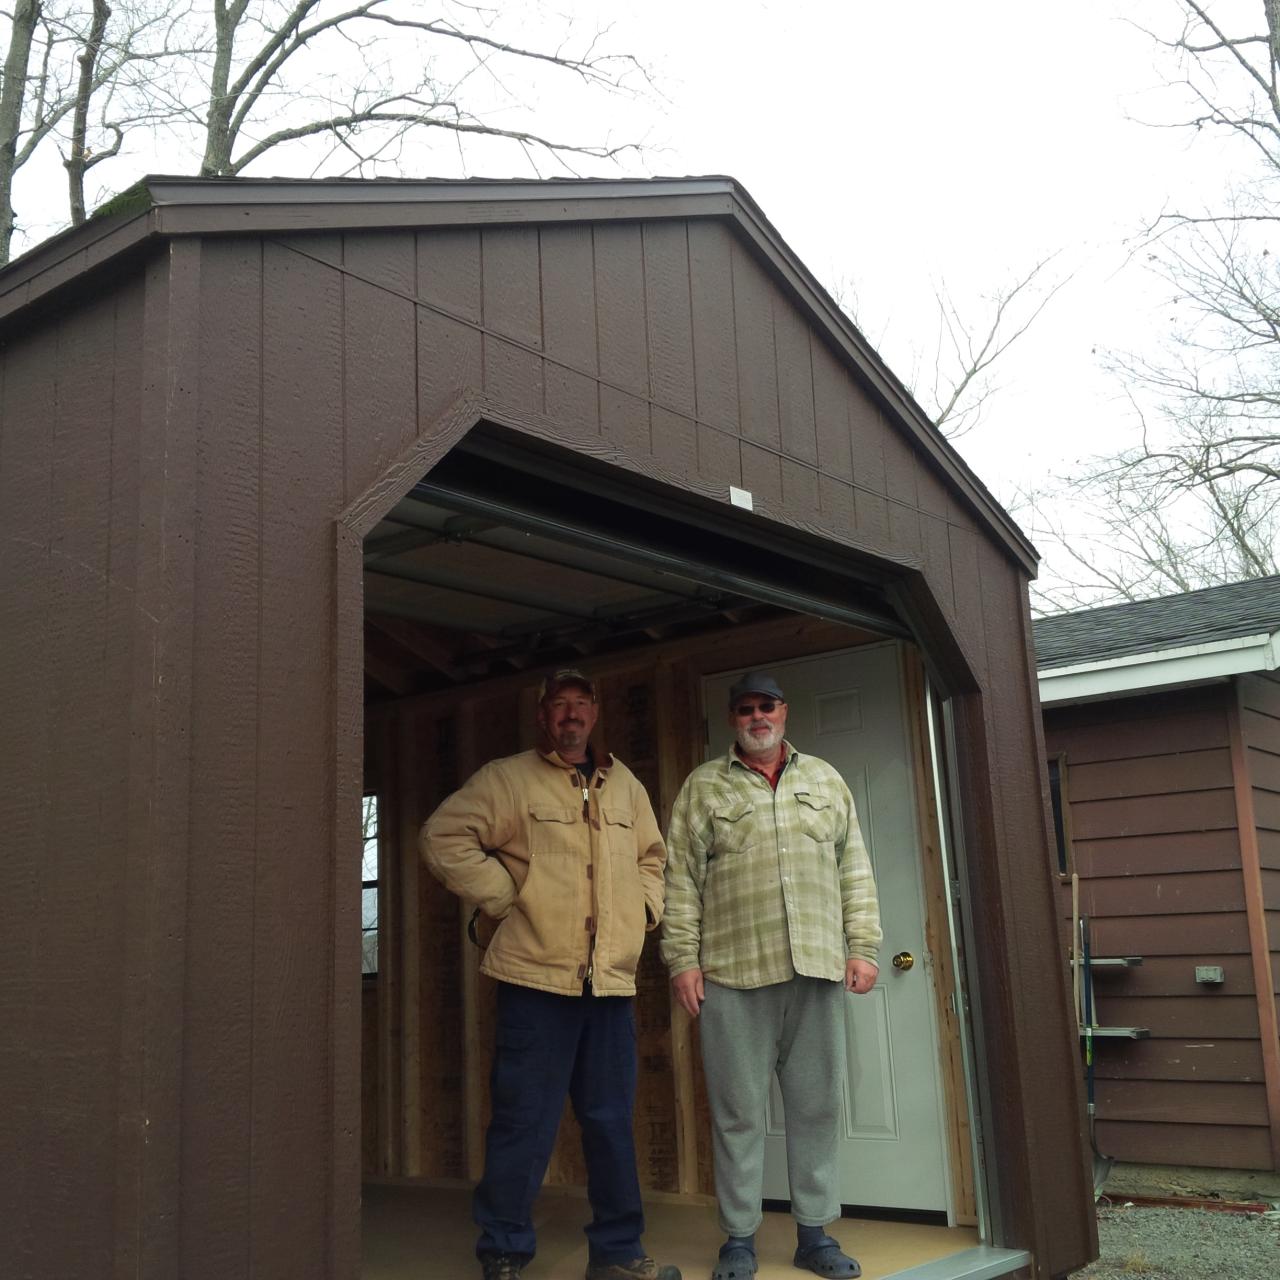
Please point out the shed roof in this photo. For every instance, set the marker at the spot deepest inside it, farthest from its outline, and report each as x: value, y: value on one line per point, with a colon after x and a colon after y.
x: 162, y: 206
x: 1172, y: 640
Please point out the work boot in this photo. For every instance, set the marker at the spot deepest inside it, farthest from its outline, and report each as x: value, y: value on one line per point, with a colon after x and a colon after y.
x: 501, y: 1266
x: 637, y: 1269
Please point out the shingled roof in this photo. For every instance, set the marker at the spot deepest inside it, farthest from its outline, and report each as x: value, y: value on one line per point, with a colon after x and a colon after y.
x: 1170, y: 622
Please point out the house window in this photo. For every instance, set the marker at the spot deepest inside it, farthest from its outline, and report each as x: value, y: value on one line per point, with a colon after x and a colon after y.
x: 369, y: 889
x: 1061, y: 812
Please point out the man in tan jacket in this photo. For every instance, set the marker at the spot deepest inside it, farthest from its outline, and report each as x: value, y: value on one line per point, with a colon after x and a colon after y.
x: 563, y: 851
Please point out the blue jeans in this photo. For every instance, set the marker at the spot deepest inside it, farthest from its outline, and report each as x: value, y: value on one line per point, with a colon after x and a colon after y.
x: 549, y: 1046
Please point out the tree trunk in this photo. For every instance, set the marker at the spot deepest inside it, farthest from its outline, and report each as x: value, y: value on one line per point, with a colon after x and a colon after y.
x: 77, y: 161
x: 26, y: 14
x: 218, y: 140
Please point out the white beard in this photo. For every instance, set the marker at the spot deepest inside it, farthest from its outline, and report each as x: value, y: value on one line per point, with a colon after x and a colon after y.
x: 758, y: 744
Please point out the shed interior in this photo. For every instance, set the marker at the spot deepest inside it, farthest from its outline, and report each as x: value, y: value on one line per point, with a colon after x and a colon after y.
x: 505, y: 562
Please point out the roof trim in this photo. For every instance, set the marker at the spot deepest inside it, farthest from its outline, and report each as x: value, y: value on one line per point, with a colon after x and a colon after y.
x: 179, y: 206
x: 1159, y: 669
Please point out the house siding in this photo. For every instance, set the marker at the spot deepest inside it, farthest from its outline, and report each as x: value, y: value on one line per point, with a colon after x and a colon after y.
x: 1155, y: 842
x: 170, y: 597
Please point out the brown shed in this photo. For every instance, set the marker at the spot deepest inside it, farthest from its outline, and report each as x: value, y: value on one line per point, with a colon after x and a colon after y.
x: 303, y: 485
x: 1162, y: 724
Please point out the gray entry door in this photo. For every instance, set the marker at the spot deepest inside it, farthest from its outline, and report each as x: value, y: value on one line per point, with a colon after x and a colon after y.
x: 848, y: 709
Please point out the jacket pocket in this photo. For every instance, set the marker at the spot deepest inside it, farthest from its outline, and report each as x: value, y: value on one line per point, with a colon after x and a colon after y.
x: 548, y: 901
x: 626, y: 892
x: 619, y: 829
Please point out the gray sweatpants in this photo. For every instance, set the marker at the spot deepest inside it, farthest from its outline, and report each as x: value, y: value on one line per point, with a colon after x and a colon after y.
x: 795, y: 1028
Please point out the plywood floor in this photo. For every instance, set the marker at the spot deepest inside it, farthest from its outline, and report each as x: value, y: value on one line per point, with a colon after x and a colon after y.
x: 418, y: 1233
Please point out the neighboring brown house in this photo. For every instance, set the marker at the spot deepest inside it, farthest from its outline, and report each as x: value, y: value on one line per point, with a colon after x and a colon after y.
x: 1162, y: 727
x: 303, y: 485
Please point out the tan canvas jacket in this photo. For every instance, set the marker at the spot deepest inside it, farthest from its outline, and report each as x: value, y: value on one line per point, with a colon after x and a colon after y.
x: 575, y: 880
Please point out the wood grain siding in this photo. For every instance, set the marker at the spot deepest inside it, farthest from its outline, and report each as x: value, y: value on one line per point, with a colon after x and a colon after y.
x: 180, y: 658
x: 1156, y: 844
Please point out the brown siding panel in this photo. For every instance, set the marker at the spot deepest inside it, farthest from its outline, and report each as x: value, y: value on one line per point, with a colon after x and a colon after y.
x: 620, y: 310
x: 512, y: 308
x: 1153, y: 815
x: 795, y: 383
x: 1166, y: 853
x: 715, y: 358
x: 301, y: 487
x: 757, y: 359
x: 218, y: 1051
x: 1187, y: 893
x: 1264, y: 764
x: 379, y: 385
x: 1266, y: 810
x: 1171, y: 1102
x: 1232, y: 1017
x: 1184, y: 1061
x: 1271, y: 889
x: 1172, y: 935
x: 1176, y: 976
x: 1210, y: 1145
x: 26, y: 444
x: 831, y: 415
x: 450, y: 355
x: 1151, y: 775
x: 762, y: 476
x: 62, y: 870
x: 569, y: 327
x: 668, y: 316
x: 1192, y: 721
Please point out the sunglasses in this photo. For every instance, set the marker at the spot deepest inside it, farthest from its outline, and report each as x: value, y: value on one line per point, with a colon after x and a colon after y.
x: 768, y: 706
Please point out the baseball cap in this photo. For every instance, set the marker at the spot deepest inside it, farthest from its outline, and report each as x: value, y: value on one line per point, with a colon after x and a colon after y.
x: 558, y: 679
x: 756, y: 682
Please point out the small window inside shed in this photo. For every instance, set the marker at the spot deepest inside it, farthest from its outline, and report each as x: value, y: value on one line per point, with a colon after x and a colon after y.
x: 369, y: 888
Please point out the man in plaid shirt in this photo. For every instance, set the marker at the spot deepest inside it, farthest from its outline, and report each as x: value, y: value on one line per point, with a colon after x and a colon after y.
x: 771, y: 917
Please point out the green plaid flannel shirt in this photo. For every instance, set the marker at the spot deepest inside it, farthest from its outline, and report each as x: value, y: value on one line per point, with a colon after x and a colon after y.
x: 763, y: 884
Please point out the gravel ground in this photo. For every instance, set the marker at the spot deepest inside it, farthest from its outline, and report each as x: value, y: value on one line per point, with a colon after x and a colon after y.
x: 1184, y: 1244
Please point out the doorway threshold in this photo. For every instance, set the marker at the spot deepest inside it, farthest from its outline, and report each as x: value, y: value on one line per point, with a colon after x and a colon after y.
x: 983, y: 1262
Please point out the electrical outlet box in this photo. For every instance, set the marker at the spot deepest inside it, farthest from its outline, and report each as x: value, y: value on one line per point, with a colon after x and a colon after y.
x: 1210, y: 974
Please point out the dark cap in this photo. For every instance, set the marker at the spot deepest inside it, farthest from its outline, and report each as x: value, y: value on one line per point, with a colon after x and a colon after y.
x: 558, y: 679
x: 756, y: 682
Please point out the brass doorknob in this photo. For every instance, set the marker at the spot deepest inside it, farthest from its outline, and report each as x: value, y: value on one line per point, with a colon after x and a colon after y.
x: 903, y: 960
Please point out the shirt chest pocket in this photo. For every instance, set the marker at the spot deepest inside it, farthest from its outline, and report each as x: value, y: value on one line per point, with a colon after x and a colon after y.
x: 817, y: 816
x: 731, y: 828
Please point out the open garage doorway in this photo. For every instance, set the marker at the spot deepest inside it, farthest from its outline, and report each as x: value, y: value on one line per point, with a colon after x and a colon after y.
x: 502, y: 563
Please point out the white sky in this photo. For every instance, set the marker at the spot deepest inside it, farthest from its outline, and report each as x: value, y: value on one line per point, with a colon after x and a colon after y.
x: 897, y: 144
